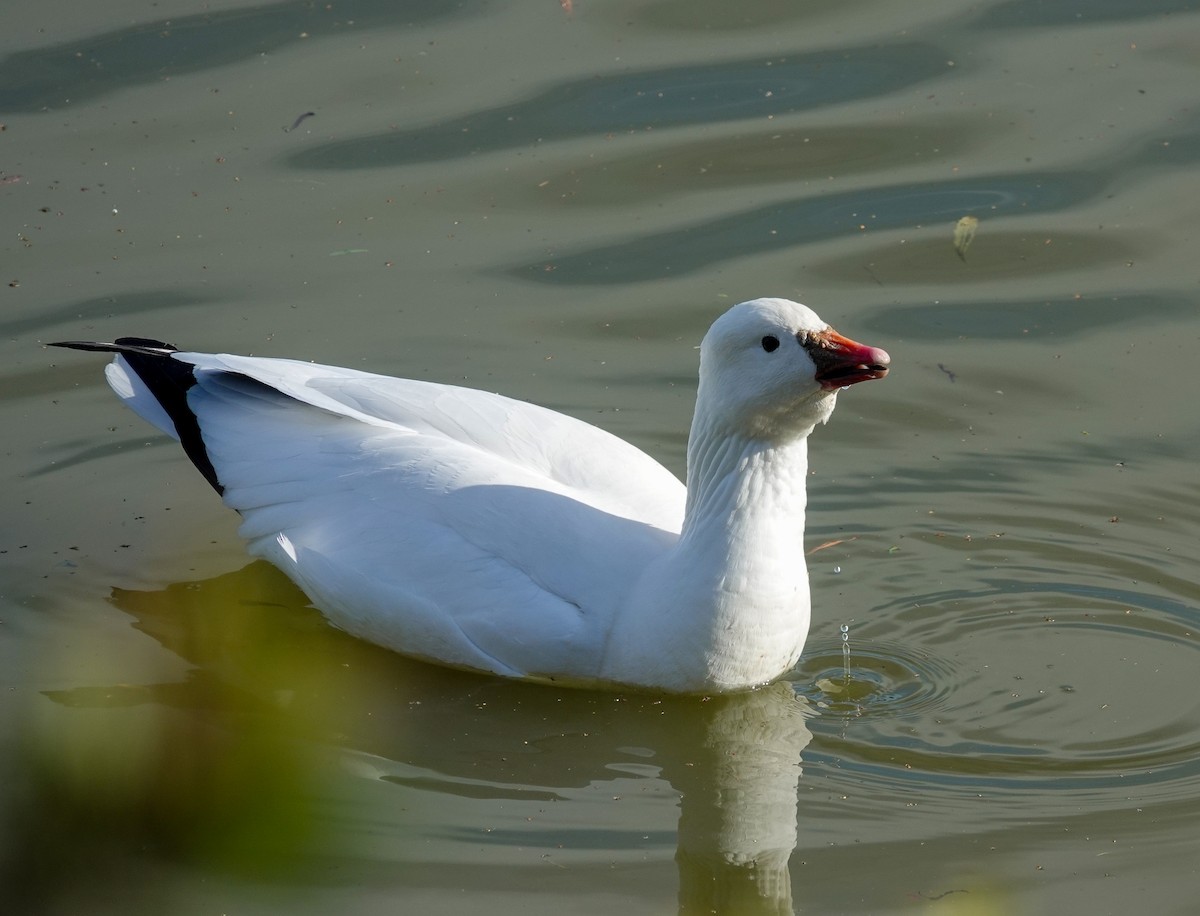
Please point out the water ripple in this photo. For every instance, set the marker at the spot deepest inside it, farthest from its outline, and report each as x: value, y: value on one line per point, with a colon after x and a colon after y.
x: 700, y: 93
x: 1016, y: 689
x: 94, y: 66
x: 1044, y: 319
x: 1041, y: 13
x: 808, y: 219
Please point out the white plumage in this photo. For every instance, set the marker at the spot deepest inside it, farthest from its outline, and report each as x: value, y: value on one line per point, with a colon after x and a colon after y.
x: 475, y: 530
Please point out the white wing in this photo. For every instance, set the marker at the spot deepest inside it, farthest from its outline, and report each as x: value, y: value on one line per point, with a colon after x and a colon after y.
x: 443, y: 522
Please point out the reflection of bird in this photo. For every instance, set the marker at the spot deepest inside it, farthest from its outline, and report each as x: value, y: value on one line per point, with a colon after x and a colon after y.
x: 737, y: 819
x: 474, y: 530
x: 272, y: 749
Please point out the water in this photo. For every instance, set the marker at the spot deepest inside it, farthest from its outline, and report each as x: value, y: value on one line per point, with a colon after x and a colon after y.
x: 554, y: 204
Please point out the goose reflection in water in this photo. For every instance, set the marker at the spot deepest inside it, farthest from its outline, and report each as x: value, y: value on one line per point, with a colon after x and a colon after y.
x: 237, y: 764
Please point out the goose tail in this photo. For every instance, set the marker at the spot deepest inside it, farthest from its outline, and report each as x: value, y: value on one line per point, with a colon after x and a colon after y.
x: 154, y: 384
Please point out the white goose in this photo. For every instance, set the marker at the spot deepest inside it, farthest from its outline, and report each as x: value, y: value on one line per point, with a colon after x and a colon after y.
x: 473, y: 530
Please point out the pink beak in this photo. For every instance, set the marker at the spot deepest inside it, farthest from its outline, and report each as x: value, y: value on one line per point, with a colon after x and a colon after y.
x: 842, y: 362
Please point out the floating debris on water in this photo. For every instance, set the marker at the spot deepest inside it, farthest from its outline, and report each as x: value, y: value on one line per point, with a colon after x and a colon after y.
x: 299, y: 120
x: 964, y: 234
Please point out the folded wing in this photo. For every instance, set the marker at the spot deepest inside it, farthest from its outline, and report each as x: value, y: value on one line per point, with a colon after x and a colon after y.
x: 444, y: 522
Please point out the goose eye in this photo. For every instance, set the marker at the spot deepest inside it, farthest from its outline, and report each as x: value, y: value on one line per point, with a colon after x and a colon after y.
x: 770, y: 343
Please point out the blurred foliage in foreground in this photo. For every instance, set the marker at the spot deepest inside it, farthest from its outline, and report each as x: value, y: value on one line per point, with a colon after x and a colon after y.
x: 112, y: 789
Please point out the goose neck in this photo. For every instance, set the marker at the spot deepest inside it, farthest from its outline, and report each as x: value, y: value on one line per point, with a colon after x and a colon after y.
x: 734, y: 481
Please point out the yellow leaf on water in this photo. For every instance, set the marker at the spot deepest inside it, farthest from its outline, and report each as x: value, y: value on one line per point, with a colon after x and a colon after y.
x: 964, y: 234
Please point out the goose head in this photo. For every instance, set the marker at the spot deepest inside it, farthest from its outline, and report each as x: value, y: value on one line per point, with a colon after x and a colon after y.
x: 770, y: 369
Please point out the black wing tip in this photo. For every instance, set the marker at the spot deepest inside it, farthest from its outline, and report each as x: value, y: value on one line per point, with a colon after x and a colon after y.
x: 93, y: 345
x: 146, y: 346
x: 168, y: 381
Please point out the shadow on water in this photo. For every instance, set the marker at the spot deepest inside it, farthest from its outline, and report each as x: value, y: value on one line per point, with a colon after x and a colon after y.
x: 93, y: 66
